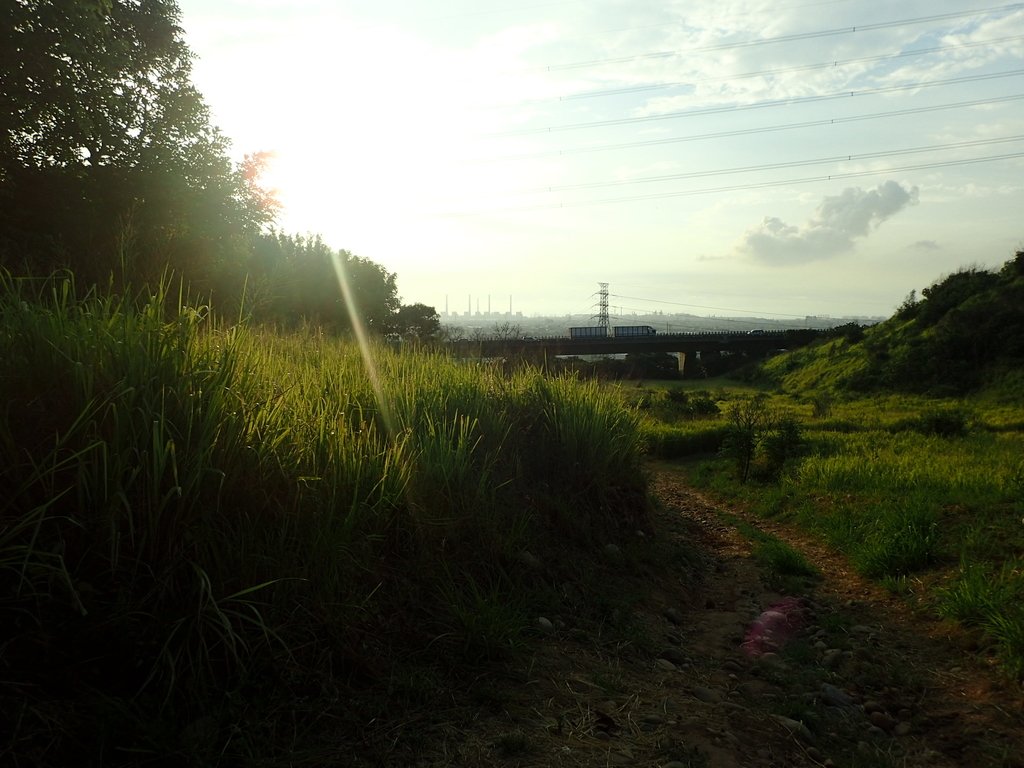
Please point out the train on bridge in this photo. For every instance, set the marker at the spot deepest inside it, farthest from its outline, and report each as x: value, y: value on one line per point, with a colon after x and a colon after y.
x: 618, y: 331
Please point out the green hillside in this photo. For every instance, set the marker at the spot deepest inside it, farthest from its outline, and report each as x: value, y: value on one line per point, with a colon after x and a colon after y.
x: 964, y: 334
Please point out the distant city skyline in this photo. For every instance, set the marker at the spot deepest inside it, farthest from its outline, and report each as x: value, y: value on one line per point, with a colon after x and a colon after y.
x: 475, y: 309
x: 809, y: 157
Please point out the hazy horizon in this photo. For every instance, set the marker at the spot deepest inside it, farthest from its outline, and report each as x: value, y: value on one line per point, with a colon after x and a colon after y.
x: 805, y: 159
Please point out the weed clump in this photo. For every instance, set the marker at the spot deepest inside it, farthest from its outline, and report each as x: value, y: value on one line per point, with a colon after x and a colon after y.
x: 991, y: 599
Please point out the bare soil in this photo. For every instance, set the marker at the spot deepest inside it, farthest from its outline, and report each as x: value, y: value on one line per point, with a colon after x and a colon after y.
x: 866, y: 680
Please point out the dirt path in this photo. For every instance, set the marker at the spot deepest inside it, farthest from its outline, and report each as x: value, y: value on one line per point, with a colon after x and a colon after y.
x: 856, y: 680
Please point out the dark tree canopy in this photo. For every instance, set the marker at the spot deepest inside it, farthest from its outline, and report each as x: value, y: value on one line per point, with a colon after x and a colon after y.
x: 110, y: 166
x: 99, y: 83
x: 108, y: 160
x: 294, y: 280
x: 417, y: 322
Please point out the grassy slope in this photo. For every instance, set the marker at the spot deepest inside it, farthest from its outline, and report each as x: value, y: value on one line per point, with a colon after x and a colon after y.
x: 209, y: 532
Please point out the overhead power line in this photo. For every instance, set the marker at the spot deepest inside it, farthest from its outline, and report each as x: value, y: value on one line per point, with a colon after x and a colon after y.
x: 760, y: 129
x: 747, y: 187
x: 765, y: 104
x: 822, y: 65
x: 779, y: 166
x: 787, y: 38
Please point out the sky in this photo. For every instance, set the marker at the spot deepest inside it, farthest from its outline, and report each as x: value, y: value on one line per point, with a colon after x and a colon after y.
x: 717, y: 157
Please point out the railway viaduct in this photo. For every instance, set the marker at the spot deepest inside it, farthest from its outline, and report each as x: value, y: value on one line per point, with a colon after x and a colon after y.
x: 689, y: 344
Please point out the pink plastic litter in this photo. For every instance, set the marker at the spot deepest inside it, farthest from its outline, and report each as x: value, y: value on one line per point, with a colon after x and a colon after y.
x: 776, y: 626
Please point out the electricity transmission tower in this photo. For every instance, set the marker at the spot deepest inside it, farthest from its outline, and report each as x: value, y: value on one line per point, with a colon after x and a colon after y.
x: 602, y: 307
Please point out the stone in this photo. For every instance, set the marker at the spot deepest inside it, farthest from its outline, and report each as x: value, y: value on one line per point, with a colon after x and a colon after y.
x: 882, y: 720
x: 833, y: 658
x: 771, y: 659
x: 545, y: 625
x: 674, y: 616
x: 835, y: 697
x: 795, y: 727
x: 901, y: 729
x: 674, y: 655
x: 877, y: 733
x: 871, y: 706
x: 613, y: 552
x: 707, y: 695
x: 666, y: 665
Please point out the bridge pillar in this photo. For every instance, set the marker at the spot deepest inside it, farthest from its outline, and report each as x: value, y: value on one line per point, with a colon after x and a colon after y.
x: 681, y: 358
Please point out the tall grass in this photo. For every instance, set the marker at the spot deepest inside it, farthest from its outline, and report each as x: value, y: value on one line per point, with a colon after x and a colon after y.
x: 190, y: 510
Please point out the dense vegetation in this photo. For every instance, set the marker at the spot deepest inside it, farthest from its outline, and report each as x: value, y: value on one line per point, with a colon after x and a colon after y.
x: 111, y: 168
x: 922, y: 491
x: 210, y: 534
x: 966, y: 332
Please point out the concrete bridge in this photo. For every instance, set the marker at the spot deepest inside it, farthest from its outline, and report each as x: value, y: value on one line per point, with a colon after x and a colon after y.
x: 688, y: 344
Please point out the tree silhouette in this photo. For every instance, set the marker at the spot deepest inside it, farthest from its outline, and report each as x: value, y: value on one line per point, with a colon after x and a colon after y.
x: 293, y: 280
x: 108, y: 160
x: 417, y: 322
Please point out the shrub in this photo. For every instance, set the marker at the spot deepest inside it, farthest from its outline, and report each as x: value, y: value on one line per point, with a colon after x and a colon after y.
x: 940, y: 422
x: 782, y: 443
x: 758, y: 440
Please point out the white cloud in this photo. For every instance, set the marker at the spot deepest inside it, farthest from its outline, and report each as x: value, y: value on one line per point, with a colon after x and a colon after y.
x: 839, y: 221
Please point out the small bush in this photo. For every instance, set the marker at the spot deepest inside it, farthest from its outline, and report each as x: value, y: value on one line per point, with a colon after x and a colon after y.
x: 759, y: 441
x: 701, y: 404
x: 942, y: 422
x: 748, y: 422
x: 782, y: 444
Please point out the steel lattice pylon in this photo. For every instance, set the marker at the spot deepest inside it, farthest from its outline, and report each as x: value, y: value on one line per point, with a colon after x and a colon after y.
x: 602, y: 306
